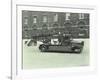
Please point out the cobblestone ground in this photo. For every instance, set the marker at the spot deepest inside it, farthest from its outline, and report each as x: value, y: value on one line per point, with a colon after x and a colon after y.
x: 33, y: 58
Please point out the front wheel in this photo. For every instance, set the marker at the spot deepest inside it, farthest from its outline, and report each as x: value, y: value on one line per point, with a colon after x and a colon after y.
x: 43, y: 48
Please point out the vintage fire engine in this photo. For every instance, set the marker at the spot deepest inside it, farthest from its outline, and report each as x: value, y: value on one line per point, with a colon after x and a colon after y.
x: 61, y: 43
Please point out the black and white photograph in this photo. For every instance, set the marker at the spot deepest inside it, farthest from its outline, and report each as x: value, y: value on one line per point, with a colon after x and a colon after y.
x: 55, y: 39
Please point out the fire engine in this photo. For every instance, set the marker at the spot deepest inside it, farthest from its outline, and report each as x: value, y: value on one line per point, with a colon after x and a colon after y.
x: 61, y: 43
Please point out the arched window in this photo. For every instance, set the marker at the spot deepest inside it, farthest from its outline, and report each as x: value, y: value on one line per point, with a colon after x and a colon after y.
x: 81, y: 23
x: 44, y: 25
x: 67, y: 24
x: 55, y: 25
x: 34, y: 26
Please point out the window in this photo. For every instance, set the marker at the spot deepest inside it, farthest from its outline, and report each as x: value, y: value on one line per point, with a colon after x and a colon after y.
x: 81, y: 16
x: 67, y: 16
x: 44, y: 18
x: 55, y: 17
x: 26, y: 20
x: 34, y: 19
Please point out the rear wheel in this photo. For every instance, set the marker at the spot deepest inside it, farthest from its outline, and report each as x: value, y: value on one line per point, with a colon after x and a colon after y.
x: 76, y: 49
x: 82, y: 43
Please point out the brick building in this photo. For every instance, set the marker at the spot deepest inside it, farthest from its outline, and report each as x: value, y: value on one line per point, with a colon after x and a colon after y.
x: 38, y: 22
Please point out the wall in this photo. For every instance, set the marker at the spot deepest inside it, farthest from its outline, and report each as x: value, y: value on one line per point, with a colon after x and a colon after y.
x: 5, y: 32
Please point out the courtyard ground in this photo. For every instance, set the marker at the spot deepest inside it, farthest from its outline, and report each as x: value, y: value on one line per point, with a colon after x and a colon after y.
x: 33, y: 58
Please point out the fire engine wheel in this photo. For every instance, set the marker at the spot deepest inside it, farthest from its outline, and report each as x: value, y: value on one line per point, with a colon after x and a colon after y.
x: 76, y: 49
x: 43, y: 48
x: 82, y: 43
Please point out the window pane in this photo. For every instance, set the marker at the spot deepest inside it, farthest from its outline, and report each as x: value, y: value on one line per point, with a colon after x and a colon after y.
x: 81, y: 16
x: 35, y: 19
x: 44, y: 18
x: 67, y: 16
x: 26, y: 21
x: 55, y: 18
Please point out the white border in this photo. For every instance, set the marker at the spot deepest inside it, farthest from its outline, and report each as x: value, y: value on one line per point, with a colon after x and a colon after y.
x: 16, y: 39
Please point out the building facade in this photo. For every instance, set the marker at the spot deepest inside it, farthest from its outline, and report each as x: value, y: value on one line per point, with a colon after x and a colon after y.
x: 35, y: 23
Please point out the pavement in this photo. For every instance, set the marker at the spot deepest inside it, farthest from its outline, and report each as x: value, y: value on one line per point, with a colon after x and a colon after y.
x: 34, y: 59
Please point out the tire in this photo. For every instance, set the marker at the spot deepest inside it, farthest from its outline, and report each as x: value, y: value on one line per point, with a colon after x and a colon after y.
x: 43, y: 48
x: 76, y: 49
x: 82, y: 43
